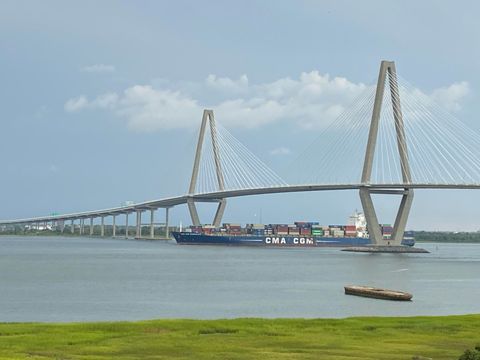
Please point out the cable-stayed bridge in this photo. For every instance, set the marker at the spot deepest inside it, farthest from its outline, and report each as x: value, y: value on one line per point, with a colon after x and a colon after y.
x: 392, y: 140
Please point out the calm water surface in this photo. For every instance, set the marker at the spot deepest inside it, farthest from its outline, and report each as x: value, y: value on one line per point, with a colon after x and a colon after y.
x: 80, y: 279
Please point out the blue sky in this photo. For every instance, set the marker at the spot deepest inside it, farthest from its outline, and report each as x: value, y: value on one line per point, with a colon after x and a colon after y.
x: 101, y: 100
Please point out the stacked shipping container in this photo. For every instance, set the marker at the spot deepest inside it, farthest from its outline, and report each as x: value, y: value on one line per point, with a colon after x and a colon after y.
x: 350, y: 230
x: 387, y: 231
x: 299, y: 228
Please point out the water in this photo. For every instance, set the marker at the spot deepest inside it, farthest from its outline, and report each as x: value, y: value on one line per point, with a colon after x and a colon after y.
x: 86, y: 279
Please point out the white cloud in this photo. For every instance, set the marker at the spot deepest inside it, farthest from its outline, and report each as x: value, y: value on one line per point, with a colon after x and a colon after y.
x: 148, y: 109
x: 250, y: 113
x: 451, y: 96
x: 76, y: 104
x: 108, y: 100
x: 225, y: 83
x: 311, y: 101
x: 98, y: 68
x: 280, y: 151
x: 104, y: 101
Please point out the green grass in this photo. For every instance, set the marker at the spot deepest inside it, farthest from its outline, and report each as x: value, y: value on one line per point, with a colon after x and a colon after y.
x: 352, y: 338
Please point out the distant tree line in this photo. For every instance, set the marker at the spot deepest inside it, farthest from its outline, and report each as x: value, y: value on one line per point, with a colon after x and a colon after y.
x: 159, y: 231
x: 445, y: 236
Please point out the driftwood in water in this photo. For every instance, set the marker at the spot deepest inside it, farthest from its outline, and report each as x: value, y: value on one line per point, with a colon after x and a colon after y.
x: 377, y: 293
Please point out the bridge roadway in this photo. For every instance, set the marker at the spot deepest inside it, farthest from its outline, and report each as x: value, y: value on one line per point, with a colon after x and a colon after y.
x: 218, y: 195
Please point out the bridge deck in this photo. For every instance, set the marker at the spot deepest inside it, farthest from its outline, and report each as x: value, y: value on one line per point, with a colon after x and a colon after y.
x: 215, y: 196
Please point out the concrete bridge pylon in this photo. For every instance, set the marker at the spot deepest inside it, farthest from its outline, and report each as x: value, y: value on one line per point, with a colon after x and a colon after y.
x: 387, y: 71
x: 222, y: 203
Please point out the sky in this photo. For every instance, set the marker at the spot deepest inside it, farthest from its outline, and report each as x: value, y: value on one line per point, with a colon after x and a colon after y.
x: 101, y: 101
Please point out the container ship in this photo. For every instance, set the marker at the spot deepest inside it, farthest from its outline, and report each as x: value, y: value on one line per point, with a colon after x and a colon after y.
x: 298, y: 234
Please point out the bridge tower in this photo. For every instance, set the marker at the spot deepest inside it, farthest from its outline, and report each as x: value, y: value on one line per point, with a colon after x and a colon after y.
x: 207, y: 116
x: 387, y: 72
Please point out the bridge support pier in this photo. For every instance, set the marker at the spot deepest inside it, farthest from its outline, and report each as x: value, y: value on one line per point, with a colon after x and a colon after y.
x: 402, y: 216
x: 102, y: 226
x: 387, y: 71
x: 217, y: 220
x: 81, y: 226
x: 138, y: 234
x: 371, y: 216
x: 72, y: 225
x: 152, y: 224
x: 167, y: 231
x: 126, y: 225
x: 193, y: 212
x: 91, y: 226
x: 114, y: 226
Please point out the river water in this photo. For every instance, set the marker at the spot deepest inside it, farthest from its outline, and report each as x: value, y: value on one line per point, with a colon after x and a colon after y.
x: 58, y: 279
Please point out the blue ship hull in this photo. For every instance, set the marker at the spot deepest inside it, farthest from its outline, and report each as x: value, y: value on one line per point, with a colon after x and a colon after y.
x: 191, y: 238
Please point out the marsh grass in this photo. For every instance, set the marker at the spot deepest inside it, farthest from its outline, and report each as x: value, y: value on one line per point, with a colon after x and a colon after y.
x: 351, y: 338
